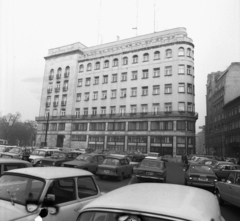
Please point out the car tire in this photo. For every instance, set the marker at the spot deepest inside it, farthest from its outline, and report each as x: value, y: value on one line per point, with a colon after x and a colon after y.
x: 120, y: 178
x: 220, y: 200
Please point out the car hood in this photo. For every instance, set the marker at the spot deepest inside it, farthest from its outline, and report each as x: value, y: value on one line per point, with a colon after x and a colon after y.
x: 33, y: 157
x: 78, y: 163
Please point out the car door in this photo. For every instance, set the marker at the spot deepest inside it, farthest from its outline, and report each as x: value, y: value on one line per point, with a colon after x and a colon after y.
x: 223, y: 172
x: 236, y: 190
x: 226, y: 187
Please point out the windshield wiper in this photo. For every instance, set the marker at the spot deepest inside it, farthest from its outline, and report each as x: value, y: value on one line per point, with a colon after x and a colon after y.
x: 11, y: 196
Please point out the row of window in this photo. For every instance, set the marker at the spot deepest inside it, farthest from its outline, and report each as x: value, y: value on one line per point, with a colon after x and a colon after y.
x: 121, y: 126
x: 59, y: 73
x: 135, y: 59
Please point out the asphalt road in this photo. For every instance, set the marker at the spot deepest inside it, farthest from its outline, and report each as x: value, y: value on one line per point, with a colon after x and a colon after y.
x: 175, y: 175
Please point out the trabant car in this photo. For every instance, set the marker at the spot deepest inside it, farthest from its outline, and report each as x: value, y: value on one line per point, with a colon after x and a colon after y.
x: 21, y: 153
x: 66, y: 189
x: 58, y: 157
x: 200, y: 176
x: 151, y: 169
x: 223, y: 170
x: 153, y: 202
x: 88, y: 162
x: 115, y: 166
x: 38, y: 154
x: 229, y: 191
x: 4, y: 149
x: 10, y: 164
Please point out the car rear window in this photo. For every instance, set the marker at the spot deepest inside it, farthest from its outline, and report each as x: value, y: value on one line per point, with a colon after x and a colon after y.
x: 201, y: 169
x: 150, y: 163
x: 111, y: 161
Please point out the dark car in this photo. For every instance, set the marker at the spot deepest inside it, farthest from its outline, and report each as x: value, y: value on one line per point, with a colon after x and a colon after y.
x: 151, y: 169
x: 200, y: 176
x: 88, y: 162
x: 135, y: 156
x: 115, y: 166
x: 222, y: 170
x: 58, y: 157
x: 10, y: 164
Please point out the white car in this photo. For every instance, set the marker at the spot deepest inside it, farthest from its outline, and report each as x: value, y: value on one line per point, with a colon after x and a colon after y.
x: 66, y: 189
x: 39, y: 154
x: 153, y: 202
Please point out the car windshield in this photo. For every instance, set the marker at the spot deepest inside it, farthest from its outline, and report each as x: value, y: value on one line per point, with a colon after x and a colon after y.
x: 111, y: 161
x: 35, y: 152
x: 151, y: 163
x: 17, y: 189
x: 115, y: 216
x: 84, y: 158
x: 201, y: 169
x: 2, y: 149
x: 220, y: 166
x: 199, y: 159
x: 58, y: 155
x: 15, y: 150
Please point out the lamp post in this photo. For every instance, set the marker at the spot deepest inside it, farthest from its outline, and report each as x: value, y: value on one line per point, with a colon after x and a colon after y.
x: 45, y: 142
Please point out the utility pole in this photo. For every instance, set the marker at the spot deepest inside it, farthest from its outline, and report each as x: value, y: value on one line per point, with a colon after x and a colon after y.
x: 45, y: 142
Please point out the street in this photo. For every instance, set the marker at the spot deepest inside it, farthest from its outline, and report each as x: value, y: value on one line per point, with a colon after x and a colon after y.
x: 175, y: 175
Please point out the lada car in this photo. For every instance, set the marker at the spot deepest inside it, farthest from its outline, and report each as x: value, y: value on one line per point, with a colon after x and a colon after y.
x: 5, y: 149
x: 222, y: 171
x: 66, y: 189
x: 57, y: 158
x: 38, y: 154
x: 15, y: 152
x: 151, y: 169
x: 115, y: 166
x: 153, y: 202
x: 10, y: 164
x: 200, y: 176
x: 88, y: 162
x: 229, y: 190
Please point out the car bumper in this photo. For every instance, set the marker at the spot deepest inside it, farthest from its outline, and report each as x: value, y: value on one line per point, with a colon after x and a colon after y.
x: 150, y: 177
x: 201, y: 184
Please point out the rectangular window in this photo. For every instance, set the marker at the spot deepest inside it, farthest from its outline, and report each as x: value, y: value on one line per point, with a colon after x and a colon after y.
x: 119, y: 126
x: 124, y: 77
x: 145, y: 74
x: 87, y: 81
x: 104, y: 95
x: 168, y: 107
x: 189, y: 89
x: 133, y: 109
x: 95, y: 95
x: 86, y: 96
x: 115, y: 62
x: 168, y: 71
x: 181, y: 88
x: 134, y: 75
x: 181, y: 106
x: 189, y: 70
x: 144, y: 91
x: 61, y: 126
x: 79, y: 82
x: 133, y: 92
x: 168, y: 89
x: 135, y: 126
x: 180, y: 69
x: 135, y: 59
x: 113, y: 94
x: 123, y: 93
x: 122, y: 110
x: 97, y: 126
x: 161, y: 125
x: 53, y: 127
x: 94, y: 111
x: 146, y: 57
x: 156, y: 72
x: 63, y: 112
x: 105, y: 79
x: 77, y: 112
x: 191, y: 126
x: 156, y: 89
x: 79, y: 137
x: 144, y: 108
x: 114, y: 78
x: 96, y: 80
x: 112, y: 110
x: 156, y: 109
x: 181, y: 125
x: 78, y: 97
x: 85, y: 111
x: 189, y: 107
x: 103, y: 110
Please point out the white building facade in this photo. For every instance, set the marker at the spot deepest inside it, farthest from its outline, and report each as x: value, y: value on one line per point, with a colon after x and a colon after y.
x: 133, y: 94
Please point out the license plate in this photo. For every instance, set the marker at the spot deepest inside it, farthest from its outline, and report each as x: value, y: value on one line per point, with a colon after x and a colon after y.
x: 203, y: 179
x: 149, y: 173
x: 106, y: 171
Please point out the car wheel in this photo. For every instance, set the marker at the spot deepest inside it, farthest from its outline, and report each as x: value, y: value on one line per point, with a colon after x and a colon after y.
x: 120, y: 178
x: 220, y: 200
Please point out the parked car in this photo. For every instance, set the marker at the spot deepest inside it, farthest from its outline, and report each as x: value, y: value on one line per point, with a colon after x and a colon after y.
x: 4, y: 149
x: 208, y: 162
x: 67, y: 189
x: 39, y: 154
x: 57, y: 158
x: 135, y: 156
x: 222, y: 171
x: 151, y: 169
x: 153, y: 202
x: 167, y: 158
x: 11, y: 164
x: 229, y: 191
x: 88, y: 162
x: 200, y: 176
x: 115, y: 166
x: 219, y: 164
x: 18, y: 153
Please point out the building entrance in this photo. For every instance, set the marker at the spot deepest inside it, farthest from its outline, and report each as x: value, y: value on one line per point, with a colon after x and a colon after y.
x: 60, y: 139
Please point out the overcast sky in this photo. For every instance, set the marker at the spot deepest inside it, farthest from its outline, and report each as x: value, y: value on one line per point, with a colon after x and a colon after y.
x: 28, y: 28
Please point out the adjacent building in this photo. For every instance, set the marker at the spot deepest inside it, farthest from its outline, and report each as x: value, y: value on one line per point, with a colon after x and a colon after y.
x: 133, y: 94
x: 200, y: 142
x: 223, y: 112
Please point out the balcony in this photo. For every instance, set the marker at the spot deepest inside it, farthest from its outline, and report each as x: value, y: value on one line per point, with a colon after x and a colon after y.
x: 58, y: 76
x: 64, y: 103
x: 55, y: 104
x: 66, y: 75
x: 65, y: 88
x: 49, y: 90
x: 48, y: 104
x: 50, y: 77
x: 57, y: 89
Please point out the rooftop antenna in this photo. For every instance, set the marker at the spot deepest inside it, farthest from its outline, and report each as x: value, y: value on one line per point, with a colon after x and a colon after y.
x: 136, y: 18
x: 99, y: 22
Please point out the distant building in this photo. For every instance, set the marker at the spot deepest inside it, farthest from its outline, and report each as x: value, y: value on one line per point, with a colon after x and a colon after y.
x: 132, y: 94
x: 223, y: 112
x: 200, y: 142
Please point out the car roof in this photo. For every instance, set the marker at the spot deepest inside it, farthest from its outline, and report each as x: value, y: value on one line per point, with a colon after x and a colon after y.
x: 166, y: 199
x: 116, y: 156
x: 47, y: 149
x: 11, y: 160
x: 51, y: 172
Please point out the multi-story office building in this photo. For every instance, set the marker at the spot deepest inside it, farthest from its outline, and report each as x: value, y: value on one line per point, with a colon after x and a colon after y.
x: 223, y: 112
x: 133, y: 94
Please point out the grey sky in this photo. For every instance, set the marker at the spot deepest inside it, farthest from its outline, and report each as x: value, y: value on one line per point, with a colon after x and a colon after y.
x: 28, y: 28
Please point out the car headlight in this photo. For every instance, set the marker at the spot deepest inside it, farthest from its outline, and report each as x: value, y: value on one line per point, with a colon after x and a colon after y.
x: 215, y: 180
x: 40, y: 162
